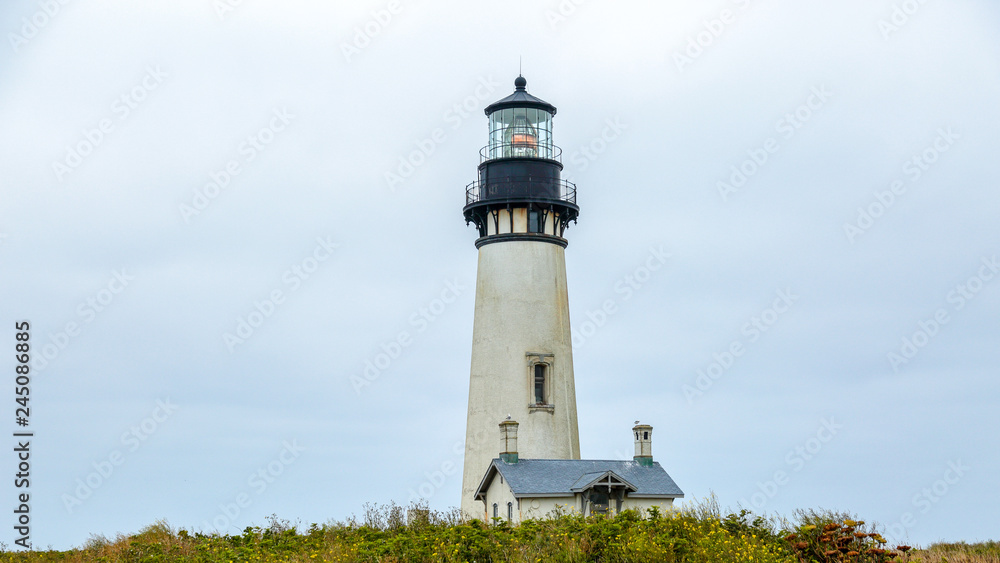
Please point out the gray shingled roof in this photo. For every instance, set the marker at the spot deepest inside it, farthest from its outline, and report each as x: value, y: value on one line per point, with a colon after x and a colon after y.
x: 558, y: 477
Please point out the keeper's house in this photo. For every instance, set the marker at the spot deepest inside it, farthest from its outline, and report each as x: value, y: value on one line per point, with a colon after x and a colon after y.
x: 518, y: 489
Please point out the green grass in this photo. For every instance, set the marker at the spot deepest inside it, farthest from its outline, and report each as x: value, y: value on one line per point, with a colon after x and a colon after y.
x: 984, y: 552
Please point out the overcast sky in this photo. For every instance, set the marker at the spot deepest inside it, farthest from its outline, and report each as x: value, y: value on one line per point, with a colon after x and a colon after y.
x: 786, y: 257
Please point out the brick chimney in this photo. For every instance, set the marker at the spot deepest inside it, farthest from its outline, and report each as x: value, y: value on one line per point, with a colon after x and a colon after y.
x: 508, y: 436
x: 643, y: 443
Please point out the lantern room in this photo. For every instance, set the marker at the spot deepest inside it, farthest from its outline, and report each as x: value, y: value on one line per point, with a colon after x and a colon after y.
x: 520, y: 126
x: 519, y: 173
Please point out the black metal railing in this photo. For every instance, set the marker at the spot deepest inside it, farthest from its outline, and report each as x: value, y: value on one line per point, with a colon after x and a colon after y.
x: 520, y: 150
x: 516, y: 187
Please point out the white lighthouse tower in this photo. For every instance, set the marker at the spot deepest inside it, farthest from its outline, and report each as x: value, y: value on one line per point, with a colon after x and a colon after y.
x: 522, y: 355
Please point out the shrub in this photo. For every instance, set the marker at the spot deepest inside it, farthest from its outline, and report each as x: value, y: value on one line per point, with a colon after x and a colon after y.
x: 834, y: 540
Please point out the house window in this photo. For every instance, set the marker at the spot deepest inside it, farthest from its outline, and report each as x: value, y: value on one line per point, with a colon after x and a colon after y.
x: 496, y: 510
x: 510, y: 511
x: 540, y: 384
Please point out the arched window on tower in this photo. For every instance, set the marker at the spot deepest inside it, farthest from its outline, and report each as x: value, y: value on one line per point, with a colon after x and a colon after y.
x: 540, y: 383
x: 538, y: 379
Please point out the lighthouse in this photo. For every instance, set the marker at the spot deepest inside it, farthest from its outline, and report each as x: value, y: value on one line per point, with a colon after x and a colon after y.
x: 522, y: 355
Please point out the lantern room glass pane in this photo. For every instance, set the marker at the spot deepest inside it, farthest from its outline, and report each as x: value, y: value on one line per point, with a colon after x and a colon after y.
x: 496, y: 134
x: 544, y: 126
x: 521, y: 136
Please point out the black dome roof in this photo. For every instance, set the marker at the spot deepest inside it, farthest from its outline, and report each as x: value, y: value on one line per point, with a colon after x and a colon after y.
x: 521, y: 99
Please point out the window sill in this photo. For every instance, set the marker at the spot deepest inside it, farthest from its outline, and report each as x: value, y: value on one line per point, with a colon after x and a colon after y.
x: 543, y: 408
